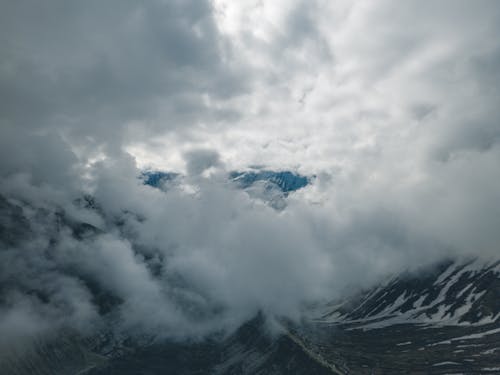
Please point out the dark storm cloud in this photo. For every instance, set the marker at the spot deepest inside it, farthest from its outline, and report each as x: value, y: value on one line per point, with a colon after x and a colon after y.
x: 92, y: 68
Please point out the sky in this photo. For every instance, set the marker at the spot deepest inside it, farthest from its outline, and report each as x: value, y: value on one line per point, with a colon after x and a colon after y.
x: 391, y: 105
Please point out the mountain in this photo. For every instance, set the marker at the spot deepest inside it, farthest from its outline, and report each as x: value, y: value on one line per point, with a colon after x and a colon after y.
x: 286, y: 181
x: 450, y: 293
x: 270, y: 187
x: 158, y: 179
x: 252, y: 349
x: 441, y: 319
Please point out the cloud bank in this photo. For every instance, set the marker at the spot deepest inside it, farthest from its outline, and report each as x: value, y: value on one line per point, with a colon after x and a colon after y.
x: 392, y: 106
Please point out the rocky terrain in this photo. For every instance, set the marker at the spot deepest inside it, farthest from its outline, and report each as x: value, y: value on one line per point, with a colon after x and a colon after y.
x: 442, y: 323
x: 443, y: 320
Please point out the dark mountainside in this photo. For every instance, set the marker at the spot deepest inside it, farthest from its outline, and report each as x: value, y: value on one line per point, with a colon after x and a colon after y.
x: 443, y: 319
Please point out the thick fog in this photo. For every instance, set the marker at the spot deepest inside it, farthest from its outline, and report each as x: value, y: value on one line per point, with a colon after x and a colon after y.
x: 390, y: 107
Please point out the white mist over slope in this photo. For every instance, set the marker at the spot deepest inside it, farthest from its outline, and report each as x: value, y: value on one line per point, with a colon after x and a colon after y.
x: 393, y: 106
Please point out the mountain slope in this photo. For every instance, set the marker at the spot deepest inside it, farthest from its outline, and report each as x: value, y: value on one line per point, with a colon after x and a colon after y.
x: 440, y: 320
x: 252, y: 349
x: 451, y: 293
x: 443, y: 320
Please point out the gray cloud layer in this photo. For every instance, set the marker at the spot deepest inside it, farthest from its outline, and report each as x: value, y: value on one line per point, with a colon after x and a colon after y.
x: 93, y: 70
x: 393, y: 105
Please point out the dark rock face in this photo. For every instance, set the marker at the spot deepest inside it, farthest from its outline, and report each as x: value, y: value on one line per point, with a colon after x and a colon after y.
x: 65, y: 354
x: 250, y: 350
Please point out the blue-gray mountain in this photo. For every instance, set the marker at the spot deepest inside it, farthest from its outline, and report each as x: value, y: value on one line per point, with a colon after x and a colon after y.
x: 285, y: 181
x: 157, y: 178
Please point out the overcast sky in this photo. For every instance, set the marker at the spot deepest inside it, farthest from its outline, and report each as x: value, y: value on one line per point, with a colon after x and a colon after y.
x: 393, y: 105
x: 311, y: 85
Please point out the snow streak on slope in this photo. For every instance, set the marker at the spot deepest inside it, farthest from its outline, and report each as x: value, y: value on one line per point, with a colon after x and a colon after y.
x: 454, y: 293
